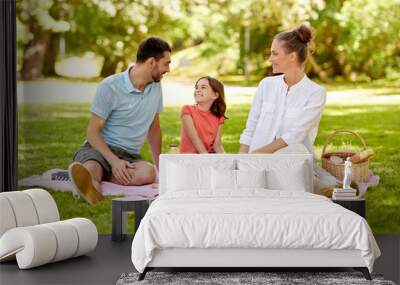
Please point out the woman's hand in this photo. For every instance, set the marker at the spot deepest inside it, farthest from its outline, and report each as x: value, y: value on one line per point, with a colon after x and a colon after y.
x: 261, y: 150
x: 257, y: 151
x: 244, y: 148
x: 272, y: 147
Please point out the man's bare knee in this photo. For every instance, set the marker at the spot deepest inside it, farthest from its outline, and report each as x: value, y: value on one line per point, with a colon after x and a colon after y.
x: 150, y: 174
x: 143, y: 173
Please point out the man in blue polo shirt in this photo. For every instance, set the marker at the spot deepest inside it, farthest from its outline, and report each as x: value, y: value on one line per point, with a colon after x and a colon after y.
x: 124, y: 112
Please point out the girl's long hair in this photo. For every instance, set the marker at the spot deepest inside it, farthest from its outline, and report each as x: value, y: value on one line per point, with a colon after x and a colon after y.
x: 218, y: 107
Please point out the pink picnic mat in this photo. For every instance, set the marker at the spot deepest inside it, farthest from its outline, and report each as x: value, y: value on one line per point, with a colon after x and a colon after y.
x: 108, y: 188
x: 372, y: 180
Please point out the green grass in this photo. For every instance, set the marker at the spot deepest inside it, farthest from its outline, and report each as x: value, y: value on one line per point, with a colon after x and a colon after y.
x: 49, y: 135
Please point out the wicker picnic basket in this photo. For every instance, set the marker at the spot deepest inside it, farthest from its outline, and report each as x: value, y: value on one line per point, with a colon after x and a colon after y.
x: 359, y: 170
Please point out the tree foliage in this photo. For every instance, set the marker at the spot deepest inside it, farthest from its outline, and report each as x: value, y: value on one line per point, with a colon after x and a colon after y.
x: 355, y: 39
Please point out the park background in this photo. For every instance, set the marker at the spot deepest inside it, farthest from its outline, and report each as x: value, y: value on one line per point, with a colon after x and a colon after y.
x: 66, y: 47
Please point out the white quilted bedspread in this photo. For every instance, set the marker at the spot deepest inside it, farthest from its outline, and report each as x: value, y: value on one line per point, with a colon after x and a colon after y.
x: 250, y: 219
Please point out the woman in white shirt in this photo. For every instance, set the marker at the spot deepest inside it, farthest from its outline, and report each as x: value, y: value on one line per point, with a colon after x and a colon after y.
x: 286, y: 109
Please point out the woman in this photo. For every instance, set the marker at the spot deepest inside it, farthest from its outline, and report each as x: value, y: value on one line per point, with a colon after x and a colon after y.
x: 286, y: 109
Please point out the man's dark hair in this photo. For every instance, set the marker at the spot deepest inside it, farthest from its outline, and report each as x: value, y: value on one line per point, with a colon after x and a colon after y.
x: 152, y: 47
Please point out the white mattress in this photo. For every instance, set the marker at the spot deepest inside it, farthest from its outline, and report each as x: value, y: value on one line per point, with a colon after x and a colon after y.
x: 256, y: 218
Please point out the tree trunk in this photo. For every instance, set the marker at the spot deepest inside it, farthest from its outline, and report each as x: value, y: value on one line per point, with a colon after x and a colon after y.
x: 240, y: 63
x: 109, y: 66
x: 246, y: 52
x: 49, y: 63
x: 34, y: 55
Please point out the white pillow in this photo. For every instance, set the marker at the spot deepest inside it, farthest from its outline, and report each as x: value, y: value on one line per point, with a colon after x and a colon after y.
x: 226, y: 179
x: 292, y: 178
x: 192, y: 172
x: 251, y: 178
x: 282, y: 174
x: 223, y: 179
x: 184, y: 177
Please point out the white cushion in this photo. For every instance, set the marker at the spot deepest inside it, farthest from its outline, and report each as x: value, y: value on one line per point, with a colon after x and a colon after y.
x: 185, y: 173
x: 223, y: 179
x: 282, y: 174
x: 67, y: 240
x: 7, y: 218
x: 189, y: 176
x: 34, y: 244
x: 40, y: 244
x: 251, y: 178
x: 294, y: 180
x: 87, y: 235
x: 226, y: 179
x: 46, y: 207
x: 23, y: 208
x: 182, y: 177
x: 26, y: 208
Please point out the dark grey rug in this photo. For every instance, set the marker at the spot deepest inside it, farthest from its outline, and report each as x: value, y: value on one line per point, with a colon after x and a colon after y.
x: 230, y: 278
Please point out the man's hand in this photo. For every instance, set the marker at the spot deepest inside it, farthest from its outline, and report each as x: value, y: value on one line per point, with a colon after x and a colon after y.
x: 119, y: 169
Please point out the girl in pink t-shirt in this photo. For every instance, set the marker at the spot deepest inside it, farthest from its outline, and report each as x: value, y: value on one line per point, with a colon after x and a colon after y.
x: 202, y: 123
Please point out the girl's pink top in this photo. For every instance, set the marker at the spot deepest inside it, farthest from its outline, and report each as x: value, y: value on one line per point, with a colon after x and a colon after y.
x: 206, y: 124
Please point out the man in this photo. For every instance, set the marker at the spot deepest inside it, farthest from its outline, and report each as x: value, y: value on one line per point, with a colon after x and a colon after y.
x: 124, y: 111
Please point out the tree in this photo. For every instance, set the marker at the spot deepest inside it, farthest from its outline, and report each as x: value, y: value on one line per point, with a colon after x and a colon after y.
x: 114, y: 28
x: 355, y: 39
x: 41, y: 26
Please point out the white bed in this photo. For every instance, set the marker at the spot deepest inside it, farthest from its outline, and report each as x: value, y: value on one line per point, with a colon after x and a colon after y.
x: 213, y: 211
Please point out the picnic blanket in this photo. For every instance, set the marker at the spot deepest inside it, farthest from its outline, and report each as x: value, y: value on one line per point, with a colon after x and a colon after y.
x: 58, y: 180
x: 372, y: 180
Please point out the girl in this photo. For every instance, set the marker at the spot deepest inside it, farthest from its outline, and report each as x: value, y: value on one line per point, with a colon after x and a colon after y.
x: 202, y: 123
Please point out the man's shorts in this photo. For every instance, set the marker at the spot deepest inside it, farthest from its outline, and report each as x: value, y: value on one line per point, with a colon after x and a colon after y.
x: 87, y: 152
